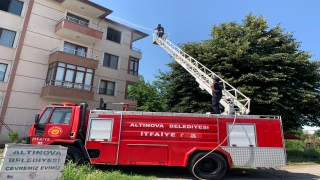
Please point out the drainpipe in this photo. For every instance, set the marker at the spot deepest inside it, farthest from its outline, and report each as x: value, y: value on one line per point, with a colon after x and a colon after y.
x: 99, y: 23
x: 92, y: 49
x: 95, y: 43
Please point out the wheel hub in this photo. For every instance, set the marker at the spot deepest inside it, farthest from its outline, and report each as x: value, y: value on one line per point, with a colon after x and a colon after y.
x: 208, y: 166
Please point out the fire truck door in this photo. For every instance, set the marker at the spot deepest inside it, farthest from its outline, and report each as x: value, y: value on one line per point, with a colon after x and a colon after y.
x: 42, y: 122
x: 55, y: 123
x: 104, y: 134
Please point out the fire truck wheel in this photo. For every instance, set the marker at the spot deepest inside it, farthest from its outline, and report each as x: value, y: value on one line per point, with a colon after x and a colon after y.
x: 212, y: 166
x: 74, y: 155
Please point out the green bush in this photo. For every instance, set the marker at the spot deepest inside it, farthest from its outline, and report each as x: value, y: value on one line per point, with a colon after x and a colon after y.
x: 13, y: 136
x: 317, y: 133
x: 299, y: 150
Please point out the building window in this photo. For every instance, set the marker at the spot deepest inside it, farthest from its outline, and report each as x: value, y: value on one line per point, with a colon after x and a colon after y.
x: 70, y: 76
x: 107, y: 87
x: 11, y: 6
x: 110, y: 60
x: 77, y: 19
x: 113, y: 35
x: 7, y: 37
x: 134, y: 66
x: 74, y: 49
x: 3, y: 70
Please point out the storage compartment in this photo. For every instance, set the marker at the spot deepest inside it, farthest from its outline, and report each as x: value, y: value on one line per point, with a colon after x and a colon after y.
x: 148, y: 154
x: 100, y: 129
x: 242, y: 135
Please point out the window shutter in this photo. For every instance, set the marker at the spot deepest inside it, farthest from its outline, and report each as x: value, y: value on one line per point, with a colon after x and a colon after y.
x: 106, y: 60
x: 69, y: 75
x: 117, y: 36
x: 88, y: 81
x: 16, y: 7
x: 3, y: 68
x: 81, y: 51
x: 131, y: 65
x: 136, y: 68
x: 69, y: 78
x: 102, y: 88
x: 79, y: 80
x: 114, y: 62
x: 59, y: 76
x: 7, y: 38
x: 110, y: 88
x: 110, y: 33
x: 49, y: 75
x: 69, y: 48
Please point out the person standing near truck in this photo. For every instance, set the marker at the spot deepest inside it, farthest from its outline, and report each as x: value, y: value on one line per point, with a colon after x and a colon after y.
x: 216, y: 95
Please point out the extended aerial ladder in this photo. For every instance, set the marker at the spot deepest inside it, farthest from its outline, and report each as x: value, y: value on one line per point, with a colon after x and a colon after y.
x: 232, y: 100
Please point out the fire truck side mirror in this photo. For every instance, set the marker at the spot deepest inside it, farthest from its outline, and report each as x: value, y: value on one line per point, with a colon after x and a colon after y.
x: 36, y: 120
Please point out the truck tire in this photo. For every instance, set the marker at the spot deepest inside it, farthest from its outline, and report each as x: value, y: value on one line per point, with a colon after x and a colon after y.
x: 212, y: 166
x: 74, y: 155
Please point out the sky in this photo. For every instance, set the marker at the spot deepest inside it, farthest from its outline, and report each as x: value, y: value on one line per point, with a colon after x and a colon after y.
x: 191, y: 21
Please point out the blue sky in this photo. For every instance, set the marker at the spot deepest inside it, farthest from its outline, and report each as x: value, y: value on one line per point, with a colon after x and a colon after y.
x: 191, y: 20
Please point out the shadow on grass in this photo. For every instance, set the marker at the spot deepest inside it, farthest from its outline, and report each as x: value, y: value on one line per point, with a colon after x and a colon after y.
x: 267, y: 173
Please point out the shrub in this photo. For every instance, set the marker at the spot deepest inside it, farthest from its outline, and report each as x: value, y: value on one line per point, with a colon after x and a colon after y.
x: 13, y: 136
x: 317, y: 133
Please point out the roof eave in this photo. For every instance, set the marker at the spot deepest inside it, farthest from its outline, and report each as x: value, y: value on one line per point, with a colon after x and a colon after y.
x: 143, y: 35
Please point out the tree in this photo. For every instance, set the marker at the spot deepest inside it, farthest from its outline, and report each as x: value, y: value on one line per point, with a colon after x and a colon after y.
x: 263, y: 63
x: 181, y: 92
x: 147, y: 95
x: 317, y: 133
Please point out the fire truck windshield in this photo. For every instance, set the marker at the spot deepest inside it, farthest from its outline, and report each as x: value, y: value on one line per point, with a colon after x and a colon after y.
x: 61, y: 116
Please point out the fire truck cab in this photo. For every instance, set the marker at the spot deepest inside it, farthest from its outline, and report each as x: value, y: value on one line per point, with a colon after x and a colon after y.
x: 163, y: 139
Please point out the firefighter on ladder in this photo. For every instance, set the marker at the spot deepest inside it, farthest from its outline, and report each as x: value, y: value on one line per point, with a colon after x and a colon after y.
x: 160, y: 30
x: 216, y: 95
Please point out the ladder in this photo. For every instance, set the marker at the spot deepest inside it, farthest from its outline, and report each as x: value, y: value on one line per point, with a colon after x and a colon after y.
x: 232, y: 100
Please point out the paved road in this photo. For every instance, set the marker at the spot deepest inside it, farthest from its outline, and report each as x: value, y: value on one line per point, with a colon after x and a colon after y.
x: 310, y: 172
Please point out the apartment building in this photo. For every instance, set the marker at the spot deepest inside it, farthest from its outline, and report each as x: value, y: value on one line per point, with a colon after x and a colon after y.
x: 53, y: 51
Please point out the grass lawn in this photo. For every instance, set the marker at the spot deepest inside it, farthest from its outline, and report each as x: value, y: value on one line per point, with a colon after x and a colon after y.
x: 84, y: 172
x: 296, y: 151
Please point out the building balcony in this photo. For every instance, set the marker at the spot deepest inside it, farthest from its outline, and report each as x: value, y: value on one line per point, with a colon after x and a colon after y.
x: 136, y: 50
x: 85, y: 7
x: 71, y: 56
x: 65, y: 90
x: 79, y: 30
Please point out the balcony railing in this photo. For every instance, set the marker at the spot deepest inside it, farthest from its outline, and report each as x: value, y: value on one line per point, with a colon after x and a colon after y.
x: 82, y: 23
x: 66, y: 84
x: 74, y: 52
x: 136, y: 49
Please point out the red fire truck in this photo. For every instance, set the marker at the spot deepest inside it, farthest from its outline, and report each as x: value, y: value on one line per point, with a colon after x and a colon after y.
x: 165, y: 139
x: 207, y: 144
